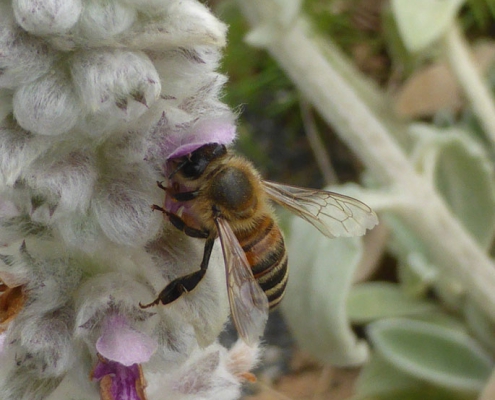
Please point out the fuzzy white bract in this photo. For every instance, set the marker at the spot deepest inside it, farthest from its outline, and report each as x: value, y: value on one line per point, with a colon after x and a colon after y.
x: 94, y: 96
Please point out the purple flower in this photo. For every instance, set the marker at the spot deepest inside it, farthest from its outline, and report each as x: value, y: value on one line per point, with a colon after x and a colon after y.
x: 219, y: 131
x: 119, y: 382
x: 122, y: 343
x: 121, y: 350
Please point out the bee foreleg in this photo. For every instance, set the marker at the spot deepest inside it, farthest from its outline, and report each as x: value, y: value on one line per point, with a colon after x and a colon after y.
x: 160, y: 185
x: 185, y: 196
x: 179, y: 223
x: 186, y: 283
x: 178, y: 196
x: 154, y: 207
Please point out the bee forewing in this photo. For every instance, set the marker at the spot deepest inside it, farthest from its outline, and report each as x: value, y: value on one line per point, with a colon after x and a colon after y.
x: 331, y: 213
x: 248, y: 302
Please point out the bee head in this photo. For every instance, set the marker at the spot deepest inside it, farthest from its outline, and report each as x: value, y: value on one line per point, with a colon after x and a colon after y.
x: 194, y: 164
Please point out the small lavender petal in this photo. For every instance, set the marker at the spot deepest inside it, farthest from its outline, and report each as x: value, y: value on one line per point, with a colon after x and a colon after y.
x: 121, y: 343
x: 208, y: 131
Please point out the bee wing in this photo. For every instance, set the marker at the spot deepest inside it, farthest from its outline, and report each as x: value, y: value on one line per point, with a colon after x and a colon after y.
x: 248, y: 302
x: 331, y: 213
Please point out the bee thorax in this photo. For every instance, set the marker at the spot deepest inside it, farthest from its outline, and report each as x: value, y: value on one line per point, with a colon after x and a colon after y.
x: 232, y: 189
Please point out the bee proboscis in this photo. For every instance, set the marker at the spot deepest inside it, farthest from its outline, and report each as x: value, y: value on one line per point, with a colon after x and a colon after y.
x: 213, y: 193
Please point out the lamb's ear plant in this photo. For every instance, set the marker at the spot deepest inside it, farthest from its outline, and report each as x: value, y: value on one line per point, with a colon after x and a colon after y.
x: 94, y: 96
x: 434, y: 189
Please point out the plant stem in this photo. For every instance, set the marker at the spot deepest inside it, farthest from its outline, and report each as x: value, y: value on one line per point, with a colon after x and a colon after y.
x: 319, y: 75
x: 470, y: 79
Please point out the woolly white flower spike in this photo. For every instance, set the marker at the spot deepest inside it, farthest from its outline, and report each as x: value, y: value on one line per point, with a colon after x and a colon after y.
x: 123, y: 210
x: 204, y: 102
x: 21, y: 383
x: 14, y: 271
x: 66, y: 180
x: 121, y: 350
x: 24, y: 59
x: 241, y: 359
x: 43, y: 343
x: 206, y: 375
x: 18, y: 149
x: 41, y: 334
x: 51, y: 281
x: 118, y: 85
x: 47, y: 106
x: 108, y: 294
x: 8, y: 210
x: 100, y: 21
x: 47, y: 17
x: 188, y: 24
x: 193, y: 66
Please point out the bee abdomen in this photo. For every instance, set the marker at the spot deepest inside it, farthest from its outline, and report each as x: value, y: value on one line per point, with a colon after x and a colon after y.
x: 265, y: 251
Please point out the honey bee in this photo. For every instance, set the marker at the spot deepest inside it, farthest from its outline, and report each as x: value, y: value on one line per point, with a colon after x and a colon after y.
x: 214, y: 193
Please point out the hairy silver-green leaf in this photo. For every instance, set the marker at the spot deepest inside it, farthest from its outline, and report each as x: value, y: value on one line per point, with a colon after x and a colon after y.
x: 380, y: 380
x: 479, y: 324
x: 315, y: 302
x: 436, y: 354
x: 373, y: 300
x: 421, y: 22
x: 460, y: 169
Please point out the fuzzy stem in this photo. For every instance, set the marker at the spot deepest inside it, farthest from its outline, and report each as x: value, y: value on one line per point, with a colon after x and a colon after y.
x: 470, y: 79
x: 315, y: 74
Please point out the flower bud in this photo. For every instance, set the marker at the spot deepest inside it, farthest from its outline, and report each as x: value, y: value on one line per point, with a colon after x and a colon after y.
x: 124, y: 211
x: 188, y: 24
x: 102, y: 20
x: 45, y: 342
x: 24, y: 58
x: 107, y: 294
x: 64, y: 180
x: 185, y: 71
x: 47, y: 106
x: 19, y: 149
x: 118, y: 85
x: 47, y: 17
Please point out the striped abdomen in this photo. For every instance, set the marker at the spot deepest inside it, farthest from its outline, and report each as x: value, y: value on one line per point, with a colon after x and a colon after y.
x: 265, y: 250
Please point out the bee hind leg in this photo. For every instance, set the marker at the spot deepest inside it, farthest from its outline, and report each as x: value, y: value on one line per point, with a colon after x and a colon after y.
x: 186, y: 283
